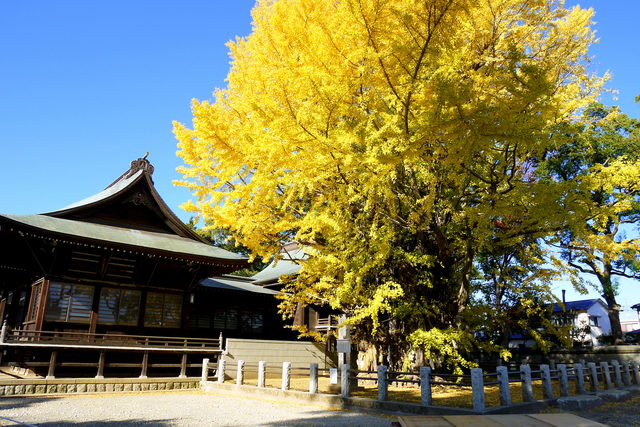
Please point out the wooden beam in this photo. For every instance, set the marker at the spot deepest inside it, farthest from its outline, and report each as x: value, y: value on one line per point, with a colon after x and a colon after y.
x: 145, y: 364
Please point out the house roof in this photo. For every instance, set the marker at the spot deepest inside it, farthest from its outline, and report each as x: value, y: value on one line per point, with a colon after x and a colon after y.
x: 580, y: 305
x: 133, y: 239
x: 131, y: 201
x: 235, y: 284
x: 287, y: 265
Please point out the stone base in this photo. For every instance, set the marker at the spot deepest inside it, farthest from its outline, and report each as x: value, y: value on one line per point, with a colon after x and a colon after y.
x: 579, y: 403
x: 613, y: 395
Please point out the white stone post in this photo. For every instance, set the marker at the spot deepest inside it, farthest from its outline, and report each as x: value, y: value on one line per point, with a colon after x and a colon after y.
x: 547, y: 385
x: 577, y: 369
x: 593, y: 370
x: 205, y: 371
x: 383, y: 392
x: 221, y: 366
x: 606, y: 374
x: 626, y: 375
x: 563, y: 380
x: 425, y: 385
x: 262, y: 369
x: 3, y: 332
x: 344, y: 380
x: 240, y: 373
x: 618, y: 373
x: 286, y: 375
x: 313, y: 378
x: 477, y: 389
x: 527, y: 387
x: 503, y: 384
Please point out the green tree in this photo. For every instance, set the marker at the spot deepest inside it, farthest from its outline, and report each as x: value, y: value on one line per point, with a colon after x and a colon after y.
x: 387, y: 137
x: 601, y: 157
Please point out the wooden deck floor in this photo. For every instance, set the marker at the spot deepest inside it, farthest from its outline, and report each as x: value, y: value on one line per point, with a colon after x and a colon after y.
x: 534, y: 420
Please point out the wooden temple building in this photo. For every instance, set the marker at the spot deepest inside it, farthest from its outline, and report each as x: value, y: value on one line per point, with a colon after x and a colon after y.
x: 118, y: 280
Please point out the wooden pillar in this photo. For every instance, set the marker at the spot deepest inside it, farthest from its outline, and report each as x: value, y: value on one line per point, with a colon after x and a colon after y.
x: 52, y: 365
x: 145, y: 365
x: 100, y: 374
x: 183, y: 366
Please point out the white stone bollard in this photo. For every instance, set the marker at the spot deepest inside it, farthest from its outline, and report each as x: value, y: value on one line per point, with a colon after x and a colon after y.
x: 344, y: 380
x: 547, y: 385
x: 286, y: 375
x: 425, y: 385
x: 221, y: 367
x: 504, y: 390
x: 563, y: 379
x: 477, y: 389
x: 313, y: 378
x: 577, y: 369
x: 383, y: 392
x: 262, y: 370
x: 205, y: 371
x: 593, y: 369
x: 240, y: 373
x: 527, y: 386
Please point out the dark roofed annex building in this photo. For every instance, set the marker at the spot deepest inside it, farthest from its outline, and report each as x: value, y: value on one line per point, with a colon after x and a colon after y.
x: 117, y: 273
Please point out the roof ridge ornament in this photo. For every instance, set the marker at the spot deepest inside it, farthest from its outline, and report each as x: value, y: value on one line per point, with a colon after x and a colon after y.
x: 141, y: 164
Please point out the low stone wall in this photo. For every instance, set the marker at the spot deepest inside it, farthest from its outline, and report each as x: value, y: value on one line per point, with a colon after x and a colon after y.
x: 300, y: 353
x: 27, y: 386
x: 621, y: 353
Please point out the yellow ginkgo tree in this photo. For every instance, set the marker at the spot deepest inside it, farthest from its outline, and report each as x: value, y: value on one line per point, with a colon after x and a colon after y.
x: 389, y: 138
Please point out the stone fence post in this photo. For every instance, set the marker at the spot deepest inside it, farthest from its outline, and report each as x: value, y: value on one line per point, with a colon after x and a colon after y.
x: 286, y: 375
x: 205, y: 371
x: 626, y: 375
x: 344, y: 380
x: 221, y: 366
x: 527, y: 386
x: 477, y: 389
x: 636, y: 372
x: 547, y: 385
x: 425, y: 385
x: 593, y: 369
x: 240, y: 372
x: 313, y: 378
x: 563, y: 379
x: 383, y: 390
x: 577, y: 369
x: 606, y: 374
x: 618, y: 373
x: 262, y: 370
x: 502, y: 373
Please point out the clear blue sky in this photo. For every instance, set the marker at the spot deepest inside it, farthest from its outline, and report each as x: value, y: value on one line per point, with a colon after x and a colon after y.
x: 88, y: 86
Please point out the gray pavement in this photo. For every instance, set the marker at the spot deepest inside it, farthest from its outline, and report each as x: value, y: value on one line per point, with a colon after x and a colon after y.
x: 177, y: 409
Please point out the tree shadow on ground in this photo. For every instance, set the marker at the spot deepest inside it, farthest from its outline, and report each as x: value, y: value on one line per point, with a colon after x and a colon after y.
x: 7, y: 403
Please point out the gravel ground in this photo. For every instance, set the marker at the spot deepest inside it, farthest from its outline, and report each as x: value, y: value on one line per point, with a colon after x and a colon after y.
x: 616, y: 414
x: 177, y: 409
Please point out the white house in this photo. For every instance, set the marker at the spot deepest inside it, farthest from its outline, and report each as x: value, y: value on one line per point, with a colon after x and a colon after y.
x: 589, y: 317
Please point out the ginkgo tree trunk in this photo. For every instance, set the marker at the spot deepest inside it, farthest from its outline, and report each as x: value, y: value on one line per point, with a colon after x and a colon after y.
x: 389, y: 137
